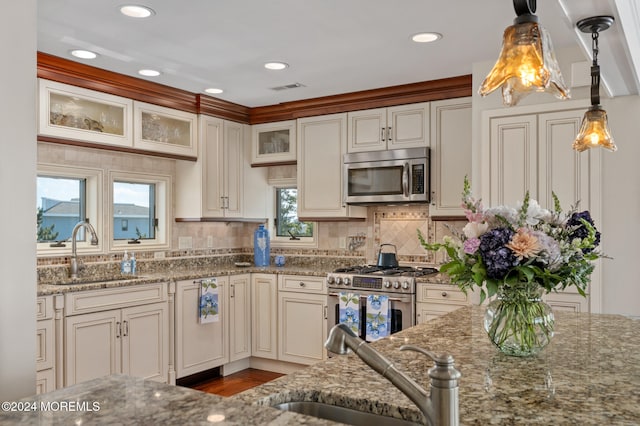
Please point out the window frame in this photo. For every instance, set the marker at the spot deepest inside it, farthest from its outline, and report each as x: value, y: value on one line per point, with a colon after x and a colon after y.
x: 93, y: 207
x: 311, y: 242
x: 163, y: 210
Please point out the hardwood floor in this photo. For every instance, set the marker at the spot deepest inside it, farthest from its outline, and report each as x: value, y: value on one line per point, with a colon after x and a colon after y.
x: 237, y: 382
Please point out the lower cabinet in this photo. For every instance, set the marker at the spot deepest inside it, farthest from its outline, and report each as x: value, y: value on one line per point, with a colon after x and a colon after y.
x: 200, y: 347
x: 434, y: 300
x: 45, y: 355
x: 264, y: 309
x: 566, y: 301
x: 302, y: 319
x: 132, y: 338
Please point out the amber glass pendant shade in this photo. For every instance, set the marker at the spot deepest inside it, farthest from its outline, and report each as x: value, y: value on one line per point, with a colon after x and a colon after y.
x: 594, y: 131
x: 526, y: 64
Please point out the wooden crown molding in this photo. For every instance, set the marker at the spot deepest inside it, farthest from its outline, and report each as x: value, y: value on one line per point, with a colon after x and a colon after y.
x: 70, y: 72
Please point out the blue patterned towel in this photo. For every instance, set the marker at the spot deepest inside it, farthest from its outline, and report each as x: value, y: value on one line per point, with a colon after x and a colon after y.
x: 378, y: 318
x: 208, y: 307
x: 350, y: 311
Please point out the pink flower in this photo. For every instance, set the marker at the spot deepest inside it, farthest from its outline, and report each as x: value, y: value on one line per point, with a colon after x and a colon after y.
x: 471, y: 245
x: 474, y: 217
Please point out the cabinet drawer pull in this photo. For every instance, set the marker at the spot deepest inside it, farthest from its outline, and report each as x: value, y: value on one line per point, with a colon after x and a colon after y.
x: 302, y: 284
x: 126, y: 328
x: 382, y: 134
x: 118, y: 329
x: 326, y: 311
x: 444, y: 294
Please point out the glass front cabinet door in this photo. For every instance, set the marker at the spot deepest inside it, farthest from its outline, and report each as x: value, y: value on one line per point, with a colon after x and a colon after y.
x: 165, y: 130
x: 274, y: 143
x: 69, y: 112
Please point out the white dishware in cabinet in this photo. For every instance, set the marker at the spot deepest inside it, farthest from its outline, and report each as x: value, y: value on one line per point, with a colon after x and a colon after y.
x: 273, y: 143
x: 165, y: 130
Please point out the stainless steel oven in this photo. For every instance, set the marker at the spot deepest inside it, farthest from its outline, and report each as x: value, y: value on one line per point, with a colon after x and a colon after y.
x: 393, y: 176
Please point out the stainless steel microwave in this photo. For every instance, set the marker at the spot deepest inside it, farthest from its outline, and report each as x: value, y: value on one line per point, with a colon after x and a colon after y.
x: 393, y: 176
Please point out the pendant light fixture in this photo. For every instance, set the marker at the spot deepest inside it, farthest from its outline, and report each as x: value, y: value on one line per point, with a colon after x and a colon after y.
x: 594, y: 130
x: 527, y: 62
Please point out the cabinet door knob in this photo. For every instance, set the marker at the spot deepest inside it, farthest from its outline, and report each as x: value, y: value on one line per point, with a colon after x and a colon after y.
x: 444, y: 294
x: 302, y: 284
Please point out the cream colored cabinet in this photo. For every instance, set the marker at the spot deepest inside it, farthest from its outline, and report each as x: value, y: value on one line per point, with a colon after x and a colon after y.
x: 567, y: 301
x: 45, y: 341
x: 434, y: 300
x: 121, y: 330
x: 322, y: 142
x: 239, y: 317
x: 450, y: 154
x: 264, y: 309
x: 530, y: 150
x: 404, y: 126
x: 198, y: 346
x: 221, y: 184
x: 273, y: 143
x: 302, y: 319
x: 165, y: 130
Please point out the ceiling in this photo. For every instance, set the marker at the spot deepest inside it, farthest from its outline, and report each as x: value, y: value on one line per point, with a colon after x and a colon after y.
x: 331, y: 46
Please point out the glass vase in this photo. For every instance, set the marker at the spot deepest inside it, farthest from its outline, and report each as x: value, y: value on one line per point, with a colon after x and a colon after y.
x: 518, y: 322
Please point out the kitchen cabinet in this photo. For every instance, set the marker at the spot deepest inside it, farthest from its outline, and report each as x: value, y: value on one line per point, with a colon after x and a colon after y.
x: 398, y: 127
x: 165, y: 130
x: 198, y: 346
x: 529, y: 149
x: 221, y: 183
x: 567, y: 301
x: 70, y: 112
x: 239, y: 317
x: 264, y: 309
x: 302, y: 319
x: 117, y: 331
x: 434, y: 300
x: 322, y: 142
x: 451, y: 125
x: 45, y: 341
x: 273, y: 143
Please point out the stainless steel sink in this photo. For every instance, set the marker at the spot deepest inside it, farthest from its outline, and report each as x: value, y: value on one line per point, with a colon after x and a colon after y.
x: 341, y: 414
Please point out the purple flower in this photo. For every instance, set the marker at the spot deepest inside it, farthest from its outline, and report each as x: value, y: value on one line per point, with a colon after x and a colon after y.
x: 497, y: 258
x: 471, y: 245
x: 580, y: 230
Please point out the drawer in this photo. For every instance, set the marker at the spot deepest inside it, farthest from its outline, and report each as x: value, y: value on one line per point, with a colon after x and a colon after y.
x: 440, y: 293
x: 44, y: 344
x: 44, y: 307
x: 45, y: 381
x: 113, y: 298
x: 302, y: 283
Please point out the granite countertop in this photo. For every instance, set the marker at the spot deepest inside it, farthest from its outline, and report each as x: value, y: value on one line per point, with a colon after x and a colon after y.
x: 124, y: 400
x: 588, y: 375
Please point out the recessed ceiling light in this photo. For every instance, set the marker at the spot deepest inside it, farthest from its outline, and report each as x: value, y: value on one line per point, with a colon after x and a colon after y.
x: 213, y: 90
x: 136, y: 11
x: 84, y: 54
x: 276, y: 65
x: 426, y: 37
x: 149, y: 73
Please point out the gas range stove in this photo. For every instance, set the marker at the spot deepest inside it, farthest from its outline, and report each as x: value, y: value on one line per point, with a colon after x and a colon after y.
x: 401, y: 279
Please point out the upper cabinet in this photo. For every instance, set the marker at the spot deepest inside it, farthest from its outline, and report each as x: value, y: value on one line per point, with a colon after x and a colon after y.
x: 404, y: 126
x: 450, y: 154
x: 165, y: 130
x: 274, y: 143
x: 322, y: 142
x: 71, y: 112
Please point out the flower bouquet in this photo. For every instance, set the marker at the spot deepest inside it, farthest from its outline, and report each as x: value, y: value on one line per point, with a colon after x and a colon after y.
x: 518, y: 254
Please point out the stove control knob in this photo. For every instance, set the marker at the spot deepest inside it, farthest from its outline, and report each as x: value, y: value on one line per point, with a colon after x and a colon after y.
x: 330, y: 279
x: 347, y: 281
x: 387, y: 284
x: 339, y: 280
x: 396, y: 284
x: 405, y: 285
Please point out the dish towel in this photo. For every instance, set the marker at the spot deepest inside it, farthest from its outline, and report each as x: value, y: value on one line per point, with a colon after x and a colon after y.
x: 349, y: 311
x: 378, y: 318
x: 208, y: 307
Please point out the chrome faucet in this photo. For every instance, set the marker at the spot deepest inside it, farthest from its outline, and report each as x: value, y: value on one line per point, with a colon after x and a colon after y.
x: 440, y: 407
x: 74, y: 256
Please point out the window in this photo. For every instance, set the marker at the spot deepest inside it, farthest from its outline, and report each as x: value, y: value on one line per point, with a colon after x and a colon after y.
x: 288, y: 229
x: 139, y: 210
x: 66, y: 196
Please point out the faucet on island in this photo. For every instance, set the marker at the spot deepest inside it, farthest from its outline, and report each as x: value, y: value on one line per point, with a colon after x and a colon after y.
x: 440, y: 407
x: 74, y: 256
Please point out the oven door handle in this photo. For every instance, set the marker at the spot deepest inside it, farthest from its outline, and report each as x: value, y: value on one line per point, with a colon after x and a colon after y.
x: 405, y: 180
x: 391, y: 299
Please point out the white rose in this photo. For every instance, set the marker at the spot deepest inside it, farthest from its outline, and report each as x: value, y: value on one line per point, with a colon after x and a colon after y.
x: 474, y: 229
